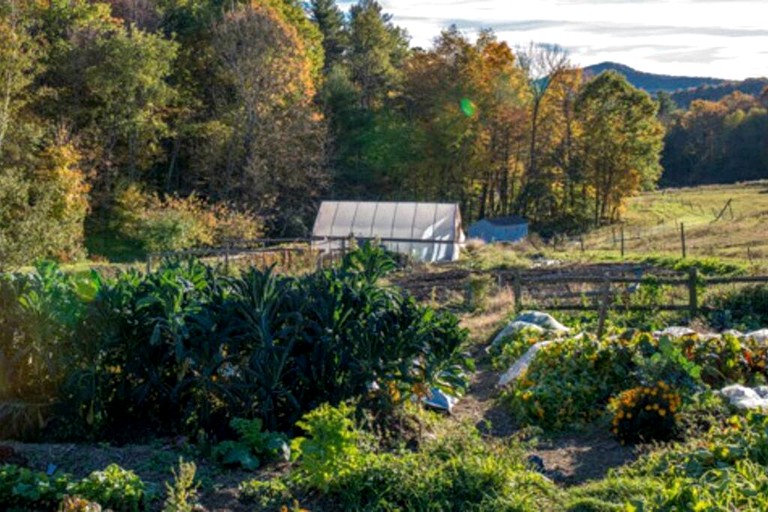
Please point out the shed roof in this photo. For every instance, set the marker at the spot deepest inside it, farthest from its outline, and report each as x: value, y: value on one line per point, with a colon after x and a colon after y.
x: 511, y: 220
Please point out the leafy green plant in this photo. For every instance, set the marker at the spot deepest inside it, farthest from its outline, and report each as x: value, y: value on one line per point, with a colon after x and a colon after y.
x: 665, y: 360
x: 182, y: 494
x: 266, y: 495
x: 253, y: 446
x: 745, y: 307
x: 455, y: 472
x: 331, y: 448
x: 116, y: 488
x: 185, y: 349
x: 25, y: 490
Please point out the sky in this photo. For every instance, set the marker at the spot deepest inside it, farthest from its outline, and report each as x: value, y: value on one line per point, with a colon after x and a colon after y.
x: 714, y: 38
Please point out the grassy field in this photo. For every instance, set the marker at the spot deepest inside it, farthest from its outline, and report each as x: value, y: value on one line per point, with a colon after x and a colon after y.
x: 652, y: 225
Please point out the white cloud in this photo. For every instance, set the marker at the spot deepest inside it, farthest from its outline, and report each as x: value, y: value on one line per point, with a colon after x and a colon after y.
x: 721, y: 38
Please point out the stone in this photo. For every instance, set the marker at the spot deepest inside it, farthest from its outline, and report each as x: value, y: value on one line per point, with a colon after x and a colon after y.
x: 522, y: 364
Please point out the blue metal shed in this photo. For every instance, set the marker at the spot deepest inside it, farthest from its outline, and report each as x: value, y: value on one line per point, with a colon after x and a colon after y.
x: 501, y: 229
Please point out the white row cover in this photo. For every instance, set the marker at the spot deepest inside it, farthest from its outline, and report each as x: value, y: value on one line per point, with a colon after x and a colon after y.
x: 438, y: 224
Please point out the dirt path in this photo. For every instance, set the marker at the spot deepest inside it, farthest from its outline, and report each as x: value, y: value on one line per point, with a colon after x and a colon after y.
x: 570, y: 458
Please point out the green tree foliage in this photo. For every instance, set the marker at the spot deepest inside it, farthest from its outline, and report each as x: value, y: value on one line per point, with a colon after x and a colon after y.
x: 621, y: 142
x: 269, y: 105
x: 718, y: 142
x: 330, y: 21
x: 377, y: 49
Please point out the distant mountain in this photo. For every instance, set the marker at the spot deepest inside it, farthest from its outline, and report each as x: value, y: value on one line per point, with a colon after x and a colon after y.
x: 683, y: 89
x: 753, y: 86
x: 652, y: 82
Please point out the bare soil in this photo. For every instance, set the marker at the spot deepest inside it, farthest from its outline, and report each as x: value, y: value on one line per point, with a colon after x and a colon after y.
x: 153, y: 464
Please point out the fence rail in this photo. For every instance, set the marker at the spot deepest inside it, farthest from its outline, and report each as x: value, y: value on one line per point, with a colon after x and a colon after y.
x: 693, y: 284
x: 326, y: 248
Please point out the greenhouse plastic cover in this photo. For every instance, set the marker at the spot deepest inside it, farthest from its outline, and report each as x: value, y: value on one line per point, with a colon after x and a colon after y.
x: 438, y: 224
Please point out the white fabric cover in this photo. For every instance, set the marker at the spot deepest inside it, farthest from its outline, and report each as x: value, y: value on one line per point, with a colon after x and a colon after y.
x: 521, y: 365
x: 746, y: 398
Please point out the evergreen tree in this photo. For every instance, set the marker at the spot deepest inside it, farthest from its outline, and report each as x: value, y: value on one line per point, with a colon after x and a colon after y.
x: 330, y: 20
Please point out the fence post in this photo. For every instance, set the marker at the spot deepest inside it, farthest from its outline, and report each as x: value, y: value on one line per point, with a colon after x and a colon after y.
x: 149, y: 263
x: 517, y: 290
x: 622, y: 242
x: 581, y: 240
x: 226, y: 259
x: 604, y: 304
x: 693, y: 298
x: 682, y: 238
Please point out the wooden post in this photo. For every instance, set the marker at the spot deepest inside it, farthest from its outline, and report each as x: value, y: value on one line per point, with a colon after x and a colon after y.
x: 226, y: 259
x: 604, y: 305
x: 622, y: 242
x: 693, y: 298
x: 682, y: 239
x: 581, y: 240
x: 149, y: 263
x: 517, y: 289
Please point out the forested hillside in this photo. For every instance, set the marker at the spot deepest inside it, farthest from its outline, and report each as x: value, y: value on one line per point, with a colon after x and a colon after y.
x: 164, y: 124
x: 653, y: 82
x: 717, y: 142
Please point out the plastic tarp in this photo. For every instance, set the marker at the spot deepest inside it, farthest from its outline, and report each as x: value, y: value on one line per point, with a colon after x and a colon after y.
x: 425, y: 231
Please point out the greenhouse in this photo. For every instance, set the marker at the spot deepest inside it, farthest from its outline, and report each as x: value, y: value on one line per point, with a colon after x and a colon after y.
x: 429, y: 232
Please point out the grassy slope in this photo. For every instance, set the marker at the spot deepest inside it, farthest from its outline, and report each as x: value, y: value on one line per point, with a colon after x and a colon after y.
x: 652, y: 224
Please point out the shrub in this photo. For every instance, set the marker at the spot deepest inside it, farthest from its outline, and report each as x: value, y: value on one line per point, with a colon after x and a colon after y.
x: 40, y: 313
x: 43, y: 208
x: 174, y: 223
x: 745, y: 307
x: 645, y: 414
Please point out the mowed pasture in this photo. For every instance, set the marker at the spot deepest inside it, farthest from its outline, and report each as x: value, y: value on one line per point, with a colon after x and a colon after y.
x: 724, y: 221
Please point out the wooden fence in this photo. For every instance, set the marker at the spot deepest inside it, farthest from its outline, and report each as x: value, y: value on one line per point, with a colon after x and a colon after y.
x: 286, y: 252
x: 607, y: 293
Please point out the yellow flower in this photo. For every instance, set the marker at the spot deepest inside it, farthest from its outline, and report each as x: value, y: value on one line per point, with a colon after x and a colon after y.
x: 662, y: 412
x: 629, y: 415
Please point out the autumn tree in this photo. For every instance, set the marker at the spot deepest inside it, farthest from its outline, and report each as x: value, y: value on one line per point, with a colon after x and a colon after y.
x: 543, y: 66
x: 620, y: 144
x: 269, y: 147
